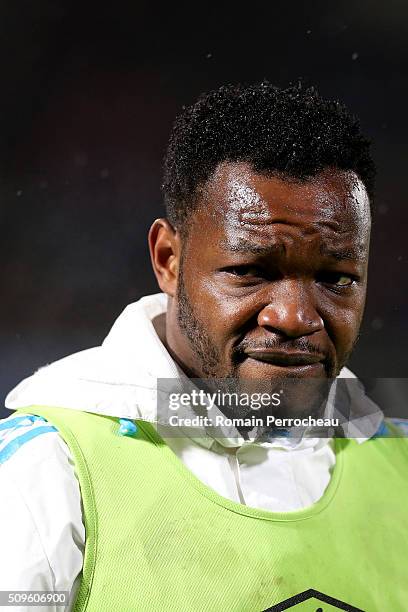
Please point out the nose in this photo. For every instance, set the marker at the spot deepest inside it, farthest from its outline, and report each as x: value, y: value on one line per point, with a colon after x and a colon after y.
x: 291, y: 311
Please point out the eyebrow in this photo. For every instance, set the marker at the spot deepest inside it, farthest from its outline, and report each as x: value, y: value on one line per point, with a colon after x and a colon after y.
x: 343, y: 254
x: 242, y: 245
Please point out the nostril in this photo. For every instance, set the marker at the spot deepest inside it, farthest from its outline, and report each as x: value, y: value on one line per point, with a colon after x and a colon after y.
x: 290, y: 318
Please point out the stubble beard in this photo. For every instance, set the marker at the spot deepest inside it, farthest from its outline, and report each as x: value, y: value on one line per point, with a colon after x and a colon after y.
x: 201, y: 344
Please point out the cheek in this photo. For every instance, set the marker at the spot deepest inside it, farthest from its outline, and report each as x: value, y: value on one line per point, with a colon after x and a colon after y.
x: 221, y: 313
x: 342, y: 319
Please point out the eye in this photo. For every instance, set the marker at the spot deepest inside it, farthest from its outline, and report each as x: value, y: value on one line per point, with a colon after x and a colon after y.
x: 244, y: 271
x: 337, y: 279
x: 344, y: 281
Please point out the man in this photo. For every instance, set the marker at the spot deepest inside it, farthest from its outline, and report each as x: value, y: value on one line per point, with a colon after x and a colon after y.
x: 262, y: 262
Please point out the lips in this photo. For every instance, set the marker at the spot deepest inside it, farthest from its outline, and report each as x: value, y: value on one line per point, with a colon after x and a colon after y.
x: 285, y: 359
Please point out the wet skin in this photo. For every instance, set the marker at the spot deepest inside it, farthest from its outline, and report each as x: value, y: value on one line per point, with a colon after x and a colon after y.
x: 274, y: 271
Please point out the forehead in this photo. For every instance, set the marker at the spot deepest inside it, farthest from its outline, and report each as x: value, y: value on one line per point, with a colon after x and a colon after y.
x: 245, y: 205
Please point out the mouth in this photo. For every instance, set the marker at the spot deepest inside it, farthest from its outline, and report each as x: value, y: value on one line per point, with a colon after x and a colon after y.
x: 287, y: 363
x: 285, y: 359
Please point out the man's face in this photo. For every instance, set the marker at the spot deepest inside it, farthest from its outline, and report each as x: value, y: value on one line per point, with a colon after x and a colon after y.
x: 272, y: 279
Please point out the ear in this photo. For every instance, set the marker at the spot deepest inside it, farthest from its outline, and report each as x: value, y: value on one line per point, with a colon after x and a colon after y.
x: 165, y: 250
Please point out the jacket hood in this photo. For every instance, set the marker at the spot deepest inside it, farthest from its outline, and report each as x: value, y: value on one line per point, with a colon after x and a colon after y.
x: 112, y: 379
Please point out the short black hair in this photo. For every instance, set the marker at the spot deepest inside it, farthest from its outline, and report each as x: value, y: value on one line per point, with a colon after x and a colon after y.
x: 293, y: 131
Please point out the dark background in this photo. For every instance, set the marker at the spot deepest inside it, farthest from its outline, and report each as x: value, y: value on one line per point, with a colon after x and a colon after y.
x: 88, y: 95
